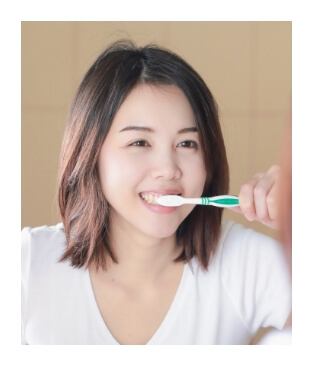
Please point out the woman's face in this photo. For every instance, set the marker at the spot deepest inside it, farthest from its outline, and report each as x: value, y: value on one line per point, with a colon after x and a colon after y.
x: 152, y: 146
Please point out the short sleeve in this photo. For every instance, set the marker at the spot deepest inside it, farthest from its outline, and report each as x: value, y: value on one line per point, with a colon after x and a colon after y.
x: 25, y: 273
x: 257, y: 278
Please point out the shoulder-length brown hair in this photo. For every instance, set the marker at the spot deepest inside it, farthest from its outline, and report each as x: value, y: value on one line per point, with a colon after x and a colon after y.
x: 83, y: 207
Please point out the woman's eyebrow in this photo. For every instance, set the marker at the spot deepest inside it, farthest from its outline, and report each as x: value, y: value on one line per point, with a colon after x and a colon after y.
x: 148, y: 129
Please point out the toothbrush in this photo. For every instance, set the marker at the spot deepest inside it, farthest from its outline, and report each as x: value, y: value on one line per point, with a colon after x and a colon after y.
x: 217, y: 201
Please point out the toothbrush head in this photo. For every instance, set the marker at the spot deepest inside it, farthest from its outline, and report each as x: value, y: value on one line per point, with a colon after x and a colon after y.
x: 169, y: 200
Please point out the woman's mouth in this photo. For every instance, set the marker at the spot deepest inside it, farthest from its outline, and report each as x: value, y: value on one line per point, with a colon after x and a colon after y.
x: 148, y: 198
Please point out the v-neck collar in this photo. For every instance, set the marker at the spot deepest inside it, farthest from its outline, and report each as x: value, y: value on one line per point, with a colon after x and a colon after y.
x: 164, y: 325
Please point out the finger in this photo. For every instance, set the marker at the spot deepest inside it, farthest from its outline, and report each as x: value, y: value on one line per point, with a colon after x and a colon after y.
x: 272, y: 198
x: 272, y: 203
x: 246, y: 198
x: 261, y: 191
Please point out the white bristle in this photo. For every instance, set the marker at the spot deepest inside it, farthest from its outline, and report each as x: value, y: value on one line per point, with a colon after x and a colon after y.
x: 170, y: 200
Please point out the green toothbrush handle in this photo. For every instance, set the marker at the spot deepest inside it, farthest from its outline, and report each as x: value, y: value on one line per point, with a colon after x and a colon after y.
x: 220, y: 201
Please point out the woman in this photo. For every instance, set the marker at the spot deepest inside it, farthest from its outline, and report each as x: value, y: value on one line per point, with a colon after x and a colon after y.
x: 119, y: 270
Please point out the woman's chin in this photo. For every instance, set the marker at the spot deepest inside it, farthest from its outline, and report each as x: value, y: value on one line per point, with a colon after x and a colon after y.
x: 162, y: 233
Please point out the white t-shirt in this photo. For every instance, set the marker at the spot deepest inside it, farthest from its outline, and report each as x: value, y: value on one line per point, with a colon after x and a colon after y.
x: 277, y: 337
x: 247, y: 286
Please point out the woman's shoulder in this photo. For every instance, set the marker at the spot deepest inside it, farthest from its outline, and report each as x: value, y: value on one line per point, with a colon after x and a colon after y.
x: 250, y: 272
x: 247, y: 251
x: 44, y: 228
x: 238, y: 244
x: 42, y: 242
x: 236, y: 238
x: 42, y: 235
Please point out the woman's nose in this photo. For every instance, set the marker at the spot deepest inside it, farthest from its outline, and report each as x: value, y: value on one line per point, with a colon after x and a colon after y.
x: 166, y: 167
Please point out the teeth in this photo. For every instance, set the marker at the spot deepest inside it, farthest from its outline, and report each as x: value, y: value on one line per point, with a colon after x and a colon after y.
x: 150, y: 197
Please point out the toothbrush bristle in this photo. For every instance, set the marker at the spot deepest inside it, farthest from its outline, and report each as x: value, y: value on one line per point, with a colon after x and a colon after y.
x: 169, y: 200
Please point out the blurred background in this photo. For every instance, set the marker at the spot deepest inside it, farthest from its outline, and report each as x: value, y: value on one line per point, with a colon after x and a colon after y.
x: 246, y: 65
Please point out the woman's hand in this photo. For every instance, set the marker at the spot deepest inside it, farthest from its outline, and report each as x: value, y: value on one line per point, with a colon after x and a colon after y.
x: 258, y: 198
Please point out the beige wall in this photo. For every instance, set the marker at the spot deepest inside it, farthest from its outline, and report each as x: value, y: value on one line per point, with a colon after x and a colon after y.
x: 247, y: 66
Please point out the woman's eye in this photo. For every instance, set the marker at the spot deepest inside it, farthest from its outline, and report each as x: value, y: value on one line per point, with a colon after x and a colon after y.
x: 140, y: 143
x: 189, y: 144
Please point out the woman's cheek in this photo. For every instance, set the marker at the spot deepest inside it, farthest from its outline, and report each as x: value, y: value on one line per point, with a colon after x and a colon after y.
x: 194, y: 170
x: 124, y: 169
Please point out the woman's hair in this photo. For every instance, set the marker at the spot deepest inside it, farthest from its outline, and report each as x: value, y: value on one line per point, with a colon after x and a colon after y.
x: 83, y: 207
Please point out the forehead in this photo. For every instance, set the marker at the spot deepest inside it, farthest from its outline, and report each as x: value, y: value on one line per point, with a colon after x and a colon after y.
x: 155, y: 106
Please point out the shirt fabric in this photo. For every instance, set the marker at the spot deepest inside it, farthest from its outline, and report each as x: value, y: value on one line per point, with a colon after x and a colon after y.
x: 246, y: 287
x: 277, y: 337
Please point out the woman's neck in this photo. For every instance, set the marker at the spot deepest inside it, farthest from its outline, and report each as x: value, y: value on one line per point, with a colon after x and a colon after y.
x: 142, y: 260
